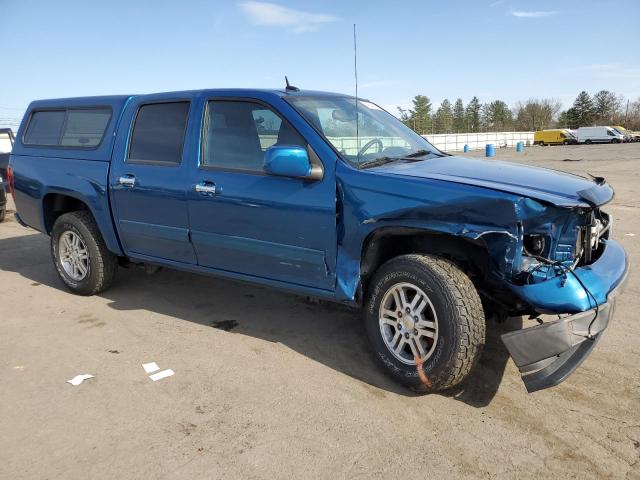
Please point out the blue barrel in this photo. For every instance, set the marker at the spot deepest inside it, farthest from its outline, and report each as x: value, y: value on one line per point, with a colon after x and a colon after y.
x: 466, y: 148
x: 489, y: 150
x: 520, y: 147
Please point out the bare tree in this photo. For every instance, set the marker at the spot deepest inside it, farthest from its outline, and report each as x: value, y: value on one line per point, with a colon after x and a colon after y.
x: 536, y: 114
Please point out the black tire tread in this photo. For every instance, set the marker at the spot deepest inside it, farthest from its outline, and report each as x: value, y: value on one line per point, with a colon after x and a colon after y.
x: 468, y: 304
x: 105, y: 263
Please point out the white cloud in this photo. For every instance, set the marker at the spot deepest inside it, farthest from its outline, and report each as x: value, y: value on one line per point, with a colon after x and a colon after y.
x: 273, y: 15
x: 537, y: 14
x: 496, y: 3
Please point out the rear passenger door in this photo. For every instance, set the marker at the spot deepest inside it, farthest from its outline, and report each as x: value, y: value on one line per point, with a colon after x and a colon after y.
x: 148, y: 179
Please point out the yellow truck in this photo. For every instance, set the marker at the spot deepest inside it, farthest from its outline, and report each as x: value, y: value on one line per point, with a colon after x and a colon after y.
x: 560, y: 136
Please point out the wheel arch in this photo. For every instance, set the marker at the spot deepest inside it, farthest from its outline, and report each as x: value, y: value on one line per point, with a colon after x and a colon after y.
x: 56, y: 203
x: 386, y: 243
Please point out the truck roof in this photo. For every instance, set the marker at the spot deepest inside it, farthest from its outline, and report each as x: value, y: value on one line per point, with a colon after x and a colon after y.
x: 117, y: 104
x: 115, y: 99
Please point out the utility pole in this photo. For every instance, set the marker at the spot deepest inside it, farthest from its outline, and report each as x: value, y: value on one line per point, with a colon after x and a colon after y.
x: 625, y: 114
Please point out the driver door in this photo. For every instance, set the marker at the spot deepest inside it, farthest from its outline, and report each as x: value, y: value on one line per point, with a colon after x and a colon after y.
x: 247, y: 222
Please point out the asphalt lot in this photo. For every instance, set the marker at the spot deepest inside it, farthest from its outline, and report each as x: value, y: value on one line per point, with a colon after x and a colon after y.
x: 268, y: 385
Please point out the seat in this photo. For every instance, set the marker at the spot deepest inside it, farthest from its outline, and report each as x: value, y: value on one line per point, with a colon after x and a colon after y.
x: 232, y: 138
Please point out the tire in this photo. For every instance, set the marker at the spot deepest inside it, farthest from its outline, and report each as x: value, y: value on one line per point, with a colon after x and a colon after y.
x: 453, y: 308
x: 566, y: 142
x: 100, y: 265
x: 3, y: 214
x: 588, y: 142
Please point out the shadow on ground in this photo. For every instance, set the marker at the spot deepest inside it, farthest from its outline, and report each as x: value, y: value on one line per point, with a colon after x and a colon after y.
x: 327, y: 333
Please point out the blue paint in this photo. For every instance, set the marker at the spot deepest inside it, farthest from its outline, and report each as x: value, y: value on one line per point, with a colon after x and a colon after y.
x: 307, y: 235
x: 566, y: 295
x: 287, y: 161
x: 489, y: 150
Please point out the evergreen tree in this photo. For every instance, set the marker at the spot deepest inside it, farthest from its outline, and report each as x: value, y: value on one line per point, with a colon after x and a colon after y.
x: 499, y: 116
x: 420, y: 114
x: 472, y: 115
x: 582, y: 110
x: 443, y: 119
x: 458, y: 117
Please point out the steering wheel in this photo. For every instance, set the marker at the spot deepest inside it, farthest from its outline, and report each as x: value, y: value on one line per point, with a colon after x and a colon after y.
x: 369, y: 144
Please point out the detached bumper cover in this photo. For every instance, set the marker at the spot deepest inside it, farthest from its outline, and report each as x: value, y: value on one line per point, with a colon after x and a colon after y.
x: 547, y: 354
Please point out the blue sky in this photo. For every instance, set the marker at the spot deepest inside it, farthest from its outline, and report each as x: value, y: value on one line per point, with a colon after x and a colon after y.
x: 505, y: 49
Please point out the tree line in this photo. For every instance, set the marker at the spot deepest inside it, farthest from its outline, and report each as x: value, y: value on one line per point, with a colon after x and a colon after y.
x: 603, y: 108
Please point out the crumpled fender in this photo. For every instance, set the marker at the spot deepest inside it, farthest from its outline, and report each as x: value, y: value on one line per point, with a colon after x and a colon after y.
x: 370, y: 202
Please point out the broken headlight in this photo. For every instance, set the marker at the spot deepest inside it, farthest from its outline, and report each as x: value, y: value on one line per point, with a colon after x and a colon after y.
x: 535, y: 244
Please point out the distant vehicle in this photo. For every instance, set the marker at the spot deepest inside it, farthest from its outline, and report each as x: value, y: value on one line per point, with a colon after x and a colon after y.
x: 590, y: 135
x: 631, y: 136
x: 560, y: 136
x: 271, y: 187
x: 6, y: 144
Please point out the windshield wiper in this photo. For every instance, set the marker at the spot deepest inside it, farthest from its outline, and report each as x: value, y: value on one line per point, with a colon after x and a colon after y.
x: 419, y: 153
x: 377, y: 162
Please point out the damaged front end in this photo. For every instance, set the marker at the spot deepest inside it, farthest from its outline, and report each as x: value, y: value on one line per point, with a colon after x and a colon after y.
x: 566, y: 265
x: 533, y: 241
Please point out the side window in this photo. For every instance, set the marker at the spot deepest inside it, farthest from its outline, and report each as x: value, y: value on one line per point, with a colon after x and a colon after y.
x: 45, y: 128
x: 610, y: 133
x: 268, y: 126
x: 237, y: 133
x: 158, y: 133
x: 69, y: 128
x: 85, y: 128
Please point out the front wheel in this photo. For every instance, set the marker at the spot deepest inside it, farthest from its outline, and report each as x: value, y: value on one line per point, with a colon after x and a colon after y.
x: 80, y: 255
x: 425, y: 322
x: 3, y: 214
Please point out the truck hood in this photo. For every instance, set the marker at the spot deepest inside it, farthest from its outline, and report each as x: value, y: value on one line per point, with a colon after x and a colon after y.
x: 558, y: 188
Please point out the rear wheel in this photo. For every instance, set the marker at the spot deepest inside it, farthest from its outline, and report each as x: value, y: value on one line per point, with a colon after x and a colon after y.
x: 425, y: 322
x: 588, y: 142
x: 80, y: 255
x: 3, y: 214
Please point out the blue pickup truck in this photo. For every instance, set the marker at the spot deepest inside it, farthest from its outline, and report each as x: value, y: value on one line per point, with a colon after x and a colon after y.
x: 332, y: 197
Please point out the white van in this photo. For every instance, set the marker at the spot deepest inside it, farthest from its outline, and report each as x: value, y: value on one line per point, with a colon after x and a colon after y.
x: 598, y: 135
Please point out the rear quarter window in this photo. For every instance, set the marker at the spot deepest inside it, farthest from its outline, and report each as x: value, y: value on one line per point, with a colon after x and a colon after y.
x: 67, y: 128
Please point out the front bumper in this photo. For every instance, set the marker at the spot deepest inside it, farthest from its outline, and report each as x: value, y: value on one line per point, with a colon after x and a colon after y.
x: 548, y: 353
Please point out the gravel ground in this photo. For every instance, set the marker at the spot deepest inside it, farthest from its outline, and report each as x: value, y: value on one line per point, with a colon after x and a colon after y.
x: 268, y: 385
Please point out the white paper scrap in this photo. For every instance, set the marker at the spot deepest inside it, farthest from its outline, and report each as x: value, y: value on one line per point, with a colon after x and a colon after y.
x: 150, y: 367
x: 160, y: 375
x: 629, y: 234
x: 78, y: 379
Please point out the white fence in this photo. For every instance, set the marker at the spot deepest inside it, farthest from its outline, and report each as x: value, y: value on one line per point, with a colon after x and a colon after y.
x: 451, y: 142
x: 447, y: 142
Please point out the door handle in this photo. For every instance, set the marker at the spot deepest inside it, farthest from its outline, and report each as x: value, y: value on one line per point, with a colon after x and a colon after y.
x: 207, y: 188
x: 127, y: 181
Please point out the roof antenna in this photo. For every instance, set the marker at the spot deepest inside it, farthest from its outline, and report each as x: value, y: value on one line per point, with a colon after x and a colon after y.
x: 290, y: 88
x: 355, y: 71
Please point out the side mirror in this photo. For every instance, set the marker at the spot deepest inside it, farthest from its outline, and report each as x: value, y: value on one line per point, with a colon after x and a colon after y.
x: 288, y: 161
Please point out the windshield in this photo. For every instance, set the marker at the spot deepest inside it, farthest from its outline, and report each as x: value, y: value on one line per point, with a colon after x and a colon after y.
x: 378, y: 136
